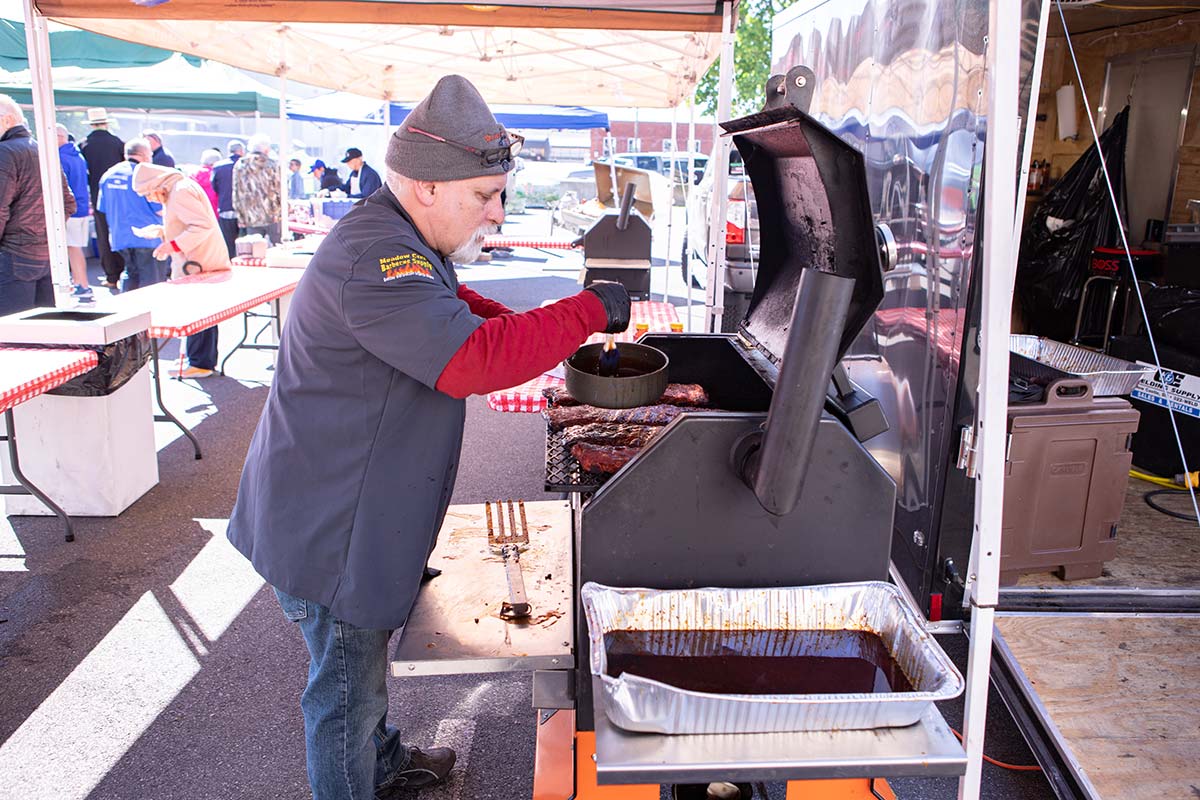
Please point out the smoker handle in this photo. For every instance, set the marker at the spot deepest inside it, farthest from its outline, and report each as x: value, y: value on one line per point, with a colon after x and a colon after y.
x: 626, y: 205
x: 777, y: 467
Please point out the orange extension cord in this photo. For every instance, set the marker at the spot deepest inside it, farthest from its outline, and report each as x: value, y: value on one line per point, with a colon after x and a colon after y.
x: 1001, y: 764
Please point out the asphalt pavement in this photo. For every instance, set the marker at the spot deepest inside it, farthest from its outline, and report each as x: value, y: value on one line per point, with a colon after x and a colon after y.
x: 147, y: 660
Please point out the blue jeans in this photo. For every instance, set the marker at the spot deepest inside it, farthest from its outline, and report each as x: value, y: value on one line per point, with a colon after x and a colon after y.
x: 351, y: 750
x: 24, y: 285
x: 202, y: 348
x: 141, y: 268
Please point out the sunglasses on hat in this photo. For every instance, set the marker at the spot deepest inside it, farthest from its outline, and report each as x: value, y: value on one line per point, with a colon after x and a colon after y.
x: 488, y: 157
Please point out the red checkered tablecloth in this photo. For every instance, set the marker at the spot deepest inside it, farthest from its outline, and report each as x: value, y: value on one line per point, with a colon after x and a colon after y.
x: 539, y: 244
x: 308, y: 227
x: 189, y: 305
x: 25, y: 374
x: 528, y: 396
x: 294, y: 244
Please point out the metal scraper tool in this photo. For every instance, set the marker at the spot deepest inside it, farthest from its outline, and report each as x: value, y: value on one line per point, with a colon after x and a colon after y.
x: 509, y: 542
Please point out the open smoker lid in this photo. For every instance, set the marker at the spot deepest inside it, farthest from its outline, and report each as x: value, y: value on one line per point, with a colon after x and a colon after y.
x: 814, y: 213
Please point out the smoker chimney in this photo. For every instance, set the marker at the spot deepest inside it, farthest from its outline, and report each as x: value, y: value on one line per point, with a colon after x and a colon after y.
x: 776, y: 468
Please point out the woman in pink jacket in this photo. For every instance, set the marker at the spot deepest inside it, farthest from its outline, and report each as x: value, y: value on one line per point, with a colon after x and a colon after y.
x: 193, y: 242
x: 203, y: 175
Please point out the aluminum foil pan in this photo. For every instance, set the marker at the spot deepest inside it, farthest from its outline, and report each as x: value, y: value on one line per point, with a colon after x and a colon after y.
x: 1109, y: 376
x: 641, y: 704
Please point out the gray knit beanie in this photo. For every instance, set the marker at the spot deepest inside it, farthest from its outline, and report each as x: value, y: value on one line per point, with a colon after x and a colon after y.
x: 455, y: 111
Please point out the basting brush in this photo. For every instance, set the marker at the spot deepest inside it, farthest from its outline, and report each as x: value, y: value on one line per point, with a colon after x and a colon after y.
x: 610, y: 359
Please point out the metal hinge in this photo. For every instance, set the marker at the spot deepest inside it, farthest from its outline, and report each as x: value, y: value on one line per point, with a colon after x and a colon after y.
x: 967, y: 451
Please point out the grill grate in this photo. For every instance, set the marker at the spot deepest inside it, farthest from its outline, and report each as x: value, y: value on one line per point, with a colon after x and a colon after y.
x: 563, y: 473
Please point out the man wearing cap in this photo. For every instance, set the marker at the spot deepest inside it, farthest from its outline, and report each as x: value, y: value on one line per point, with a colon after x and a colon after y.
x: 327, y: 177
x: 350, y: 471
x: 102, y: 151
x: 222, y: 183
x: 363, y: 180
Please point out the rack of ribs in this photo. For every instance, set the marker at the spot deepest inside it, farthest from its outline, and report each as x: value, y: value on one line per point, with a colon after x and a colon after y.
x: 622, y: 435
x: 569, y: 416
x: 677, y: 394
x: 602, y: 459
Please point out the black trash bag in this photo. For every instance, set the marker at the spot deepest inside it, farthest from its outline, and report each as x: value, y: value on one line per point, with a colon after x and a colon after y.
x: 1174, y: 313
x: 118, y: 362
x: 1053, y: 264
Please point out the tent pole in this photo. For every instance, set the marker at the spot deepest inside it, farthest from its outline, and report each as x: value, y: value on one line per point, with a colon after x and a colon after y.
x: 284, y: 139
x: 386, y: 119
x: 671, y: 164
x: 1035, y: 85
x: 998, y: 268
x: 718, y: 208
x: 687, y: 207
x: 37, y: 41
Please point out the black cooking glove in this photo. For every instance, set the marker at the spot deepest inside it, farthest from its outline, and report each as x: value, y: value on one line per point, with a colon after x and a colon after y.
x: 616, y: 304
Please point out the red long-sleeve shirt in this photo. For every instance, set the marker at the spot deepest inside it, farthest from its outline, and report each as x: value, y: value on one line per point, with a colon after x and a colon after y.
x: 511, y: 348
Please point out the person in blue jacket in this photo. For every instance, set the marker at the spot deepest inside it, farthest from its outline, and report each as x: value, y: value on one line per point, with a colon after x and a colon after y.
x: 363, y: 180
x: 75, y: 168
x: 125, y: 210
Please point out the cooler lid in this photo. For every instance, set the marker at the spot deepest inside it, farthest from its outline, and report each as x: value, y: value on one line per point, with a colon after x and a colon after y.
x: 814, y: 213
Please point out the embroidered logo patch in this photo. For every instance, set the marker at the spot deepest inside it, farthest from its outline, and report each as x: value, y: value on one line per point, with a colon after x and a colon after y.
x: 405, y: 265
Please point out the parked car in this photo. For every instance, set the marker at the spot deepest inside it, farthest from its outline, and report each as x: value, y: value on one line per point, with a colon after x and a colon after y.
x: 665, y: 163
x: 741, y: 237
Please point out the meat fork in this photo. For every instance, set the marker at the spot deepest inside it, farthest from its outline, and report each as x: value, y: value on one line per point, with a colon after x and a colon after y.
x: 509, y: 542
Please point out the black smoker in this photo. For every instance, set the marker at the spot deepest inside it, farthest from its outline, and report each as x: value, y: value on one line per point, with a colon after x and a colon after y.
x: 776, y: 489
x: 617, y: 248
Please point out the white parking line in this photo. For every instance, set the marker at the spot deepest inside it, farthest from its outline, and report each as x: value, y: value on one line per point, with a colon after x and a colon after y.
x: 458, y: 734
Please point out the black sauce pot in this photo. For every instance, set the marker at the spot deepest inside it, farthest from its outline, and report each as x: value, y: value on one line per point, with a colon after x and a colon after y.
x: 641, y: 380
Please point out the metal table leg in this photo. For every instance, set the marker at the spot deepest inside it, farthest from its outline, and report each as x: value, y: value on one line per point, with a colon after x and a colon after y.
x: 25, y: 486
x: 167, y: 416
x: 273, y: 317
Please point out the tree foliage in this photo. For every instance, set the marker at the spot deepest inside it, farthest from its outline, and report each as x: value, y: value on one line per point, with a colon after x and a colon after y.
x: 751, y: 59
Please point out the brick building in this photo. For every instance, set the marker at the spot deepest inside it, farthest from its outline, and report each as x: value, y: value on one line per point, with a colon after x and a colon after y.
x: 648, y: 137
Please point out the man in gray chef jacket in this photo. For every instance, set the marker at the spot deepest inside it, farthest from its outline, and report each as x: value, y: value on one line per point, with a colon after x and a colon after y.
x: 351, y: 469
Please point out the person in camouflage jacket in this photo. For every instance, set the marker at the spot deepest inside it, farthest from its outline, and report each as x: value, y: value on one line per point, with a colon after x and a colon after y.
x: 256, y: 189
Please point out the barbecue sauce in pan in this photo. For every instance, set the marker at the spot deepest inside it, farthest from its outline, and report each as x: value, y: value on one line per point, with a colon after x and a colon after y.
x: 758, y: 662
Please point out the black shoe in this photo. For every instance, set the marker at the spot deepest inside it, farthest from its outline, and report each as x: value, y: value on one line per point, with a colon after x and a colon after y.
x: 425, y: 768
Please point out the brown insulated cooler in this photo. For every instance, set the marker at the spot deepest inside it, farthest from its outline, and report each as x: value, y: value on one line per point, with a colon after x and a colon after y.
x: 1065, y: 478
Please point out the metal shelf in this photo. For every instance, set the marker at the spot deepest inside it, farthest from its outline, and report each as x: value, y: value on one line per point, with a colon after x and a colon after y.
x: 927, y: 748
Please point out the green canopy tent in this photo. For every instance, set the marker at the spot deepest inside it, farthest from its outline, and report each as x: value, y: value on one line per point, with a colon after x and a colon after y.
x: 74, y: 48
x: 94, y: 70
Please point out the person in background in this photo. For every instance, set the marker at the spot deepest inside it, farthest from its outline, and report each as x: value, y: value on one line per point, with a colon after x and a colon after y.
x: 203, y: 176
x: 256, y: 189
x: 160, y: 155
x: 75, y: 168
x: 101, y: 150
x: 24, y: 250
x: 126, y: 210
x: 327, y: 177
x: 222, y: 183
x: 353, y: 463
x: 295, y: 181
x: 192, y: 240
x: 363, y: 180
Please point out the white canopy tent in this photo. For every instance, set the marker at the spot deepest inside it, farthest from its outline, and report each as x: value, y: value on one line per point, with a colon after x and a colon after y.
x: 611, y: 52
x: 513, y: 53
